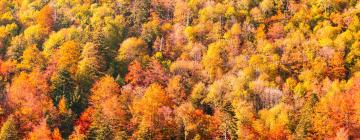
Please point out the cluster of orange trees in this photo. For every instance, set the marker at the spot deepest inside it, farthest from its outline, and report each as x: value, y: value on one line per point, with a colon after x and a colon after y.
x: 179, y: 69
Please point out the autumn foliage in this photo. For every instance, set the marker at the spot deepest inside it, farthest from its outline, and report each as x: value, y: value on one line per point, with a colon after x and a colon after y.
x: 179, y: 69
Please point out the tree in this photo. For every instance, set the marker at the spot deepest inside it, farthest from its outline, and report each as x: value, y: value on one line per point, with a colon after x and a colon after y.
x: 273, y: 123
x: 28, y: 96
x: 9, y: 130
x: 176, y: 90
x: 338, y: 109
x: 68, y: 56
x: 16, y: 48
x: 267, y: 7
x: 90, y: 68
x: 196, y: 123
x: 140, y: 12
x: 337, y: 67
x: 34, y: 35
x: 90, y: 64
x: 62, y: 85
x: 304, y: 127
x: 109, y: 118
x: 214, y: 60
x: 56, y: 39
x: 276, y: 31
x: 136, y: 74
x: 245, y: 118
x: 56, y: 134
x: 63, y: 120
x: 145, y: 111
x: 131, y: 49
x: 155, y: 72
x: 32, y: 58
x: 46, y: 18
x: 82, y: 125
x: 198, y: 94
x: 41, y: 131
x: 105, y: 93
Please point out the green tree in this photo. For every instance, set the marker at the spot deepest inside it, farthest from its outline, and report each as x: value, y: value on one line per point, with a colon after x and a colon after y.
x: 140, y: 13
x: 9, y: 130
x: 91, y: 61
x: 304, y: 128
x: 62, y: 85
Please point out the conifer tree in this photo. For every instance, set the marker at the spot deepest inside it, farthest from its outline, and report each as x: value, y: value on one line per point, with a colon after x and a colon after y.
x: 9, y: 130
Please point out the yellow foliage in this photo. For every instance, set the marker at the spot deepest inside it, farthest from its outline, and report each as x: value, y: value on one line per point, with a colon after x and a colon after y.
x: 213, y: 61
x: 131, y: 49
x: 68, y: 55
x: 32, y: 58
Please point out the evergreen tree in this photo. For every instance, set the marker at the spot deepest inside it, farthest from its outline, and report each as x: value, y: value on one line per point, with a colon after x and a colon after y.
x: 62, y: 86
x: 9, y: 130
x: 304, y: 128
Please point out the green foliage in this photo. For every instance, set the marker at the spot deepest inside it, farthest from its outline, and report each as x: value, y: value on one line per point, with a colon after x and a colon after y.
x: 9, y: 130
x: 304, y: 127
x: 62, y: 86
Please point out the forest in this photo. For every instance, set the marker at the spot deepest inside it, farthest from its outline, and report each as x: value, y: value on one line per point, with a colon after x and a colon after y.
x: 179, y: 69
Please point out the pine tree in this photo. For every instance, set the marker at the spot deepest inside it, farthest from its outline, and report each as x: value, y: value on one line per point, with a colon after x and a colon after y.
x: 140, y: 13
x: 304, y: 128
x: 9, y: 130
x: 62, y: 86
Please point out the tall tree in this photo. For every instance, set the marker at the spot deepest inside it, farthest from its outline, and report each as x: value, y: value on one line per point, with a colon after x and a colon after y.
x: 109, y: 118
x: 304, y: 128
x: 140, y: 11
x: 46, y: 18
x: 146, y: 114
x: 9, y: 130
x: 40, y: 131
x: 214, y: 60
x: 62, y: 85
x: 28, y: 96
x: 68, y: 56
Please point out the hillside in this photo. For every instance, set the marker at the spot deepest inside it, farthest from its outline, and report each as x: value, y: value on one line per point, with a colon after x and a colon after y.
x: 179, y: 69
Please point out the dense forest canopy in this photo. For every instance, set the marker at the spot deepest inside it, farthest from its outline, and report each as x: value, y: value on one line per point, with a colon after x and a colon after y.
x: 179, y: 69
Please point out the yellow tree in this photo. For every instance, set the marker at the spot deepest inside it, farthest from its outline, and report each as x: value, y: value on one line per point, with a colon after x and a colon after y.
x: 146, y: 114
x: 214, y: 60
x: 9, y: 130
x: 40, y: 132
x: 273, y: 123
x: 245, y: 118
x: 131, y: 49
x: 32, y: 58
x: 68, y: 56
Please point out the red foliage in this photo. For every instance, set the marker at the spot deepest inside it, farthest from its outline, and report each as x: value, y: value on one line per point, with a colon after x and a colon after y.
x: 136, y: 74
x: 276, y: 31
x: 84, y: 122
x: 144, y: 77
